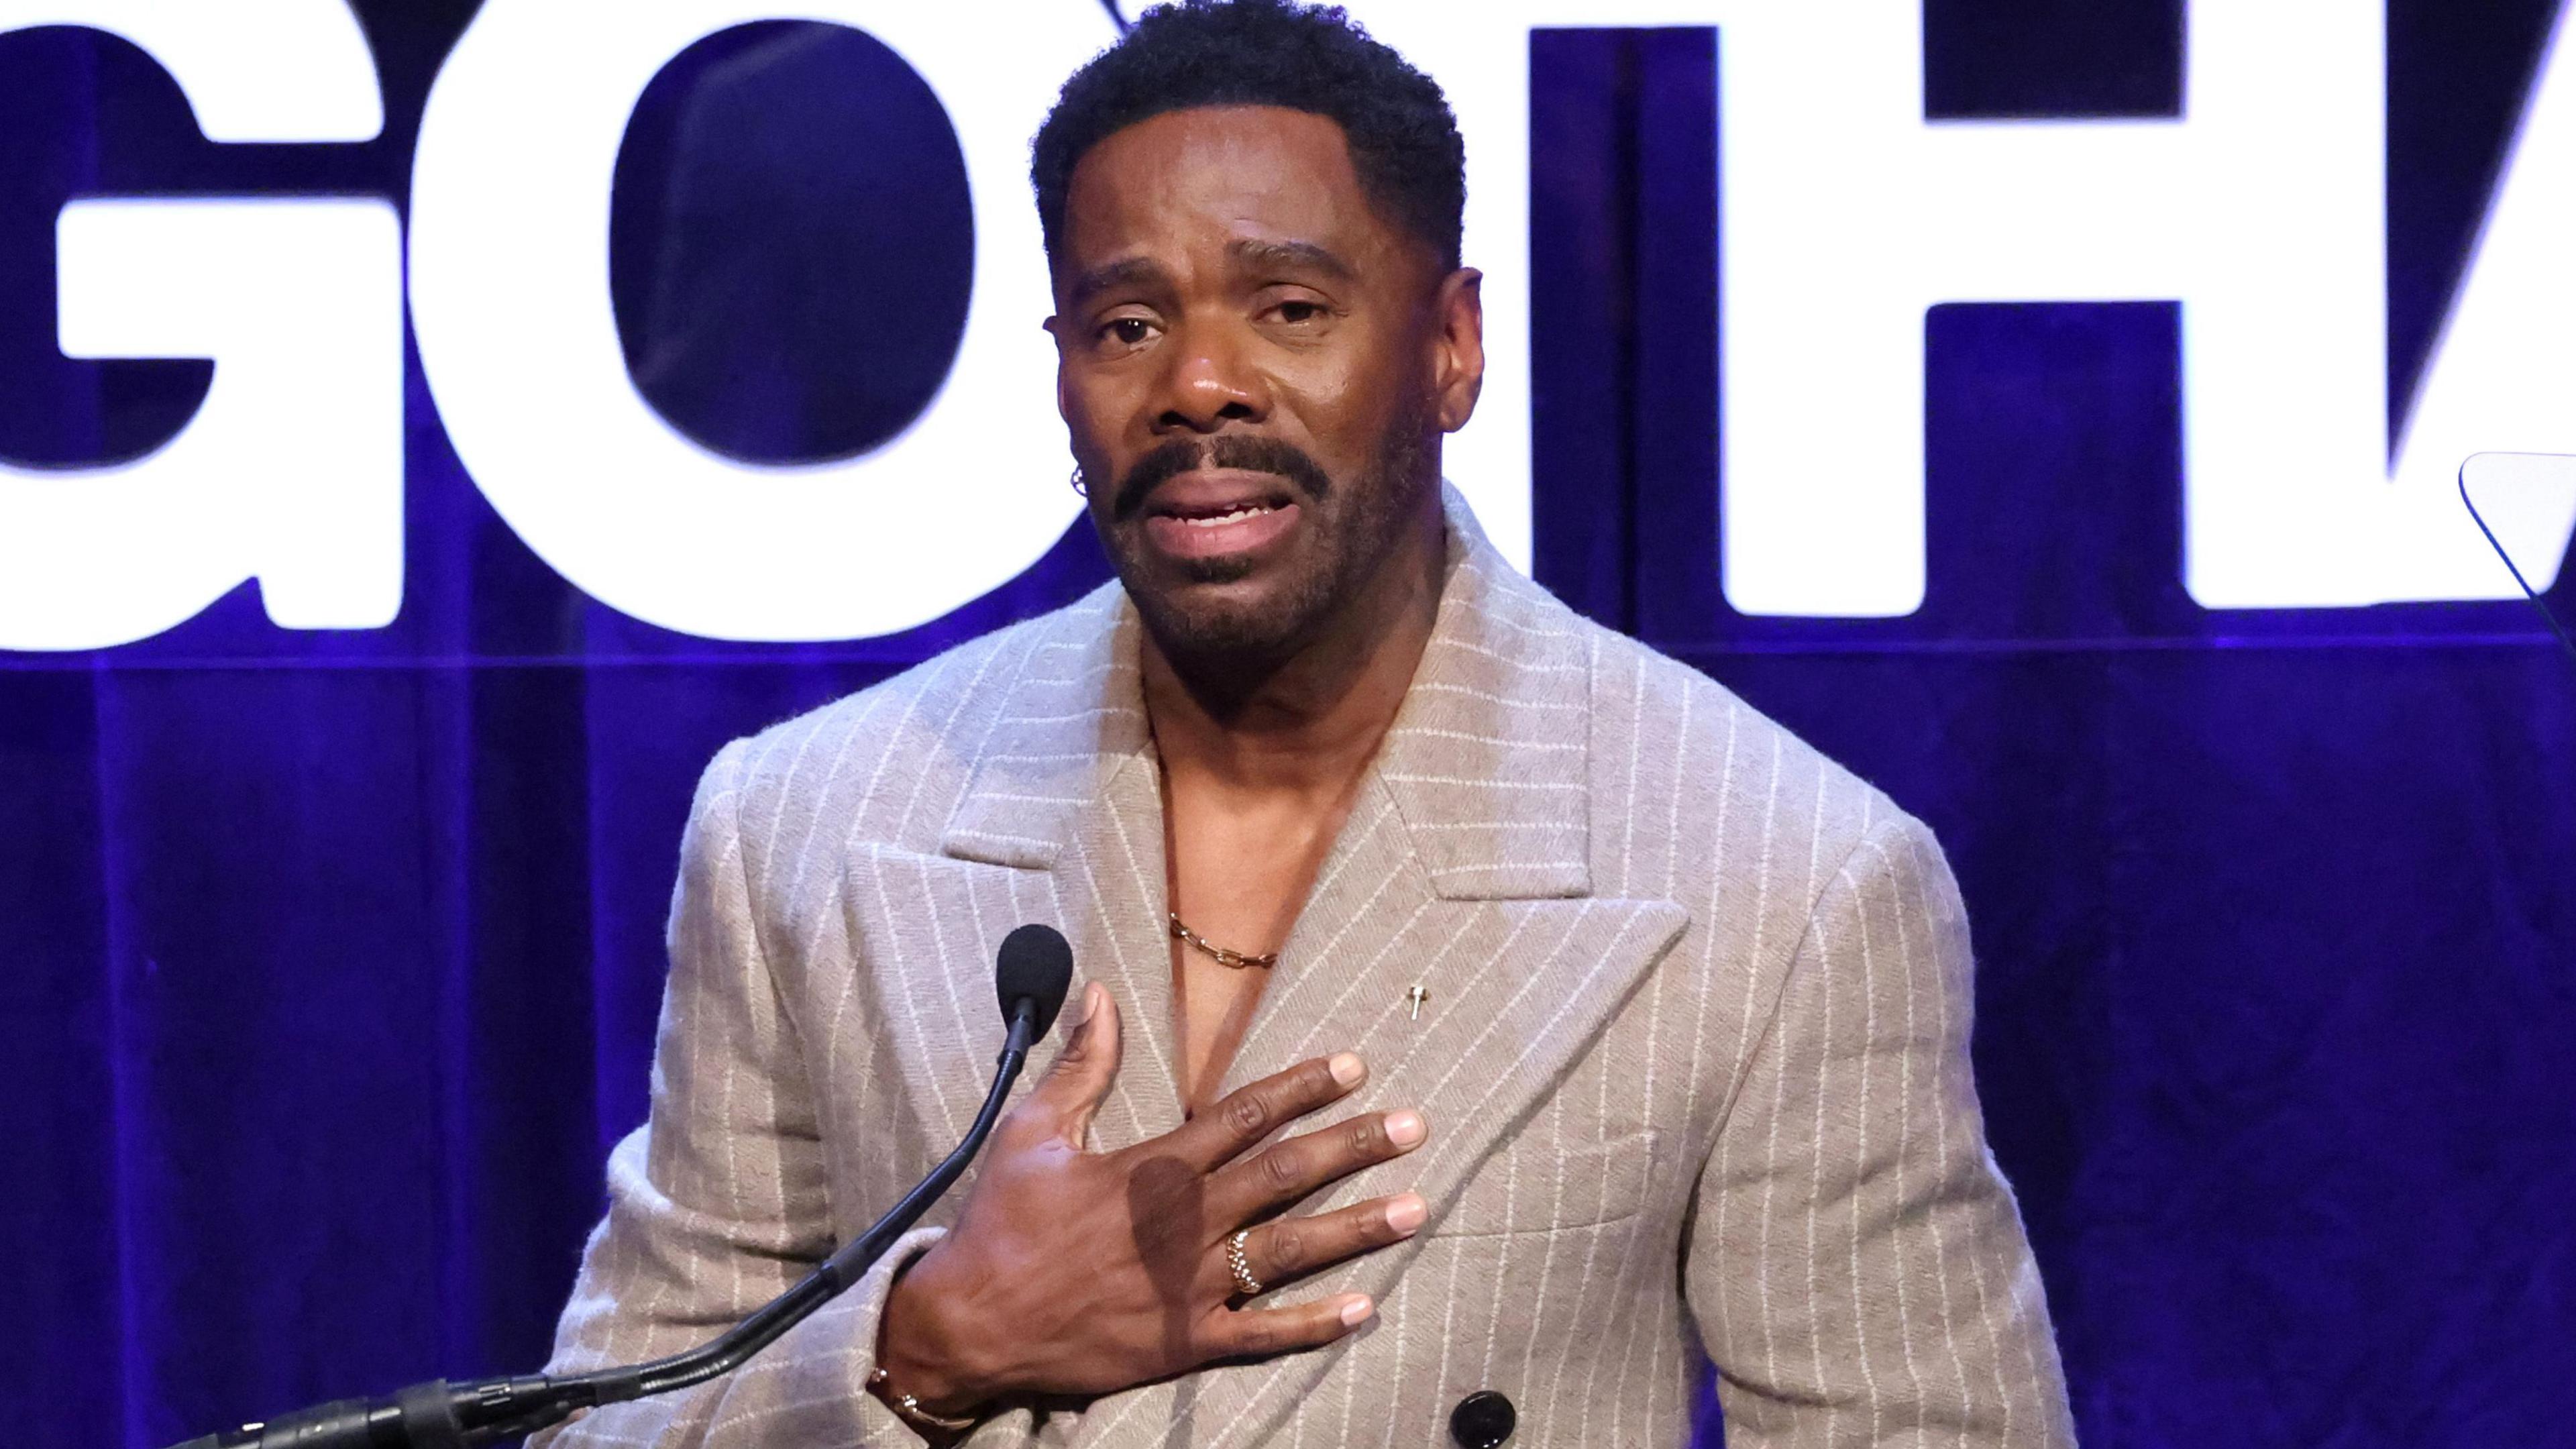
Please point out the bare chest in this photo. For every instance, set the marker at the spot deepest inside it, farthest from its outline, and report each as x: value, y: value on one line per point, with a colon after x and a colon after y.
x: 1240, y: 874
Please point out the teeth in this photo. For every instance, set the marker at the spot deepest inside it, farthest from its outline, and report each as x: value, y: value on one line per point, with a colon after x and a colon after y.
x: 1237, y: 516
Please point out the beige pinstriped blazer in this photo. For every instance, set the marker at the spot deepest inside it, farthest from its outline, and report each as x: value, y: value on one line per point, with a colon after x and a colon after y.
x: 1695, y: 1055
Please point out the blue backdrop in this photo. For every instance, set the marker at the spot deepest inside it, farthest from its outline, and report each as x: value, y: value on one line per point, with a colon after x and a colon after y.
x: 329, y: 962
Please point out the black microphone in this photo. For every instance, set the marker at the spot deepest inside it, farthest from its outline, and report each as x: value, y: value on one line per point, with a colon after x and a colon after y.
x: 1032, y: 973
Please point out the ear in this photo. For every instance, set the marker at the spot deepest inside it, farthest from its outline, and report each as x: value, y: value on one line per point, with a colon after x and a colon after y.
x: 1054, y: 327
x: 1458, y: 346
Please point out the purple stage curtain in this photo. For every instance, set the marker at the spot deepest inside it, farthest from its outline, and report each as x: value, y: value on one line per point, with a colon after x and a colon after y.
x: 329, y: 961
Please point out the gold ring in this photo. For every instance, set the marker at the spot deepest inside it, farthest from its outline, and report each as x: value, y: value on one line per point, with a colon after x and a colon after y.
x: 1244, y: 1282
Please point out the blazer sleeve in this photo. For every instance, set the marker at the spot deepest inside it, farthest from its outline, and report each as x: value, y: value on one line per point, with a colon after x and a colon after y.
x: 1856, y: 1264
x: 719, y: 1202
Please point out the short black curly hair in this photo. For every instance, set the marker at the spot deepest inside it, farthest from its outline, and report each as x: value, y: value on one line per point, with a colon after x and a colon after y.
x: 1314, y: 58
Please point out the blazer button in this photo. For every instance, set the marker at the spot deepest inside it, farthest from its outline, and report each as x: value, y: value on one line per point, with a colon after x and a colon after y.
x: 1482, y: 1420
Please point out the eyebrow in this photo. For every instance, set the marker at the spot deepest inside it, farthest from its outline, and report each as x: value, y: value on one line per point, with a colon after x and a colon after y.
x: 1133, y: 271
x: 1250, y: 253
x: 1258, y: 255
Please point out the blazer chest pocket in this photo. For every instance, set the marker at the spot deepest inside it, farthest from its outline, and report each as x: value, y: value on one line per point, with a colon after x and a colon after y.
x: 1537, y: 1185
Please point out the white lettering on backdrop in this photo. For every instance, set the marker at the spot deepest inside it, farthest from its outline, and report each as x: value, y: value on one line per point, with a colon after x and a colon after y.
x: 510, y: 304
x: 1845, y: 216
x: 291, y: 470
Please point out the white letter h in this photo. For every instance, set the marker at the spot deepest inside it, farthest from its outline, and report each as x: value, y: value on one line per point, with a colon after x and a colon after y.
x: 1846, y: 215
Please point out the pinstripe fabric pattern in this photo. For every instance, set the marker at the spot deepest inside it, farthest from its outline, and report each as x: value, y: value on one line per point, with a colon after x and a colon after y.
x: 1695, y: 1055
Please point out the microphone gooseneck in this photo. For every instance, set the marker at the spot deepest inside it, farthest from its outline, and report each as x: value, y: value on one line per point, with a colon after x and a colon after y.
x: 1032, y: 973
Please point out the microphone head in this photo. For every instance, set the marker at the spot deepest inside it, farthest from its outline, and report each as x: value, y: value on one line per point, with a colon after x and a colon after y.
x: 1035, y: 965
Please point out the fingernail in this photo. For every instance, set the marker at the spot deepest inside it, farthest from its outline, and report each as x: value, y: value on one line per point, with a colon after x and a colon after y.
x: 1356, y: 1312
x: 1406, y: 1213
x: 1404, y: 1128
x: 1347, y: 1068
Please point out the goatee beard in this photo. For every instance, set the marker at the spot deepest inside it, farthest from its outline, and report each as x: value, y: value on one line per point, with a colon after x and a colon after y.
x: 1356, y: 530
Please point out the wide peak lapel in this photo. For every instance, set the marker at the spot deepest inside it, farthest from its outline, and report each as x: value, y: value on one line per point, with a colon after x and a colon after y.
x: 1360, y: 942
x: 1489, y: 758
x: 1073, y: 717
x: 1112, y: 883
x: 1064, y: 785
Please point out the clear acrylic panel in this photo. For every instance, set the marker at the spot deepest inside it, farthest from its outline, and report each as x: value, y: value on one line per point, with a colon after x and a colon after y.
x: 2525, y: 503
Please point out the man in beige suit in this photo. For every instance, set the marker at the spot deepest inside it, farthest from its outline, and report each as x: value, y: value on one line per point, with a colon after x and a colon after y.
x: 1642, y: 1027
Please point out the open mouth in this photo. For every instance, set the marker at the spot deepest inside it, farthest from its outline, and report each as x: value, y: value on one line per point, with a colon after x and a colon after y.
x: 1252, y: 510
x: 1212, y: 514
x: 1238, y: 513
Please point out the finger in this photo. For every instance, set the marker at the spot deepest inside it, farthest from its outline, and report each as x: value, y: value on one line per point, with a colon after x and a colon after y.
x: 1268, y: 1332
x: 1066, y: 1099
x: 1249, y: 1113
x: 1290, y: 1248
x: 1286, y: 1171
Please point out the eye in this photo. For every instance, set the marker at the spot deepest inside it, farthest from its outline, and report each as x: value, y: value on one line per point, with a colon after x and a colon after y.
x: 1119, y: 333
x: 1299, y: 313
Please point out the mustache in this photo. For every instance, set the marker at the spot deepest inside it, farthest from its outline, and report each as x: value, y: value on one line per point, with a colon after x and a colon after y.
x: 1227, y: 450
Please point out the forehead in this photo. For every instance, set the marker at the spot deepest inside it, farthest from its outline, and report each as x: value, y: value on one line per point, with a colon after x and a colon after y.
x: 1208, y: 174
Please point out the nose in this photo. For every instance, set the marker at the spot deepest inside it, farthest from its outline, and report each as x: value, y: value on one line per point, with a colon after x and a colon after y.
x: 1210, y: 384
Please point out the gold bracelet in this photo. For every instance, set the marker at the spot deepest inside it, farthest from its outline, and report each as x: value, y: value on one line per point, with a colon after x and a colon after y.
x: 909, y: 1409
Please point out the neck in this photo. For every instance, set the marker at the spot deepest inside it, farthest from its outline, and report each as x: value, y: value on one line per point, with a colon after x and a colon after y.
x: 1306, y: 724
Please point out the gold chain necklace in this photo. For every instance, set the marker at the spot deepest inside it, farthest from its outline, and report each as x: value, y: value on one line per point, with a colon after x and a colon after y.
x: 1216, y: 953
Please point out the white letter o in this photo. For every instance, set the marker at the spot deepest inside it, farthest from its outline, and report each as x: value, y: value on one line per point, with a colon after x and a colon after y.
x: 510, y: 306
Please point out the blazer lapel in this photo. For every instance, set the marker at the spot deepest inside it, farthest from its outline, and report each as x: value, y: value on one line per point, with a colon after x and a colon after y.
x: 930, y: 928
x: 1464, y: 872
x: 1113, y: 877
x: 1480, y: 793
x: 1066, y: 788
